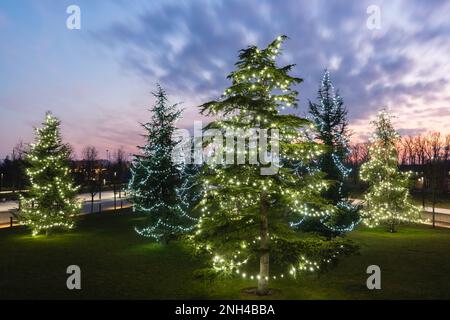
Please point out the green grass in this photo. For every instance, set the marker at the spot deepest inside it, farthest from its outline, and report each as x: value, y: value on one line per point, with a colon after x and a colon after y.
x: 117, y: 264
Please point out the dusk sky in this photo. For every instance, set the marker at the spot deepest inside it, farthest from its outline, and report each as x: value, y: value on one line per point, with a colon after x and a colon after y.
x: 98, y: 79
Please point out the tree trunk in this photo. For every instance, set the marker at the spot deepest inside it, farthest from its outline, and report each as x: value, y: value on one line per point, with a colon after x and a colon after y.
x: 263, y: 281
x: 392, y: 228
x: 434, y: 217
x: 434, y: 205
x: 165, y: 240
x: 423, y: 192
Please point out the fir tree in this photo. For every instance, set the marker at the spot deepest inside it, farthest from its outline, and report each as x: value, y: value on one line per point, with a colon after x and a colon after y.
x: 190, y: 190
x: 50, y: 203
x: 247, y: 216
x: 155, y: 177
x: 387, y: 199
x: 330, y: 118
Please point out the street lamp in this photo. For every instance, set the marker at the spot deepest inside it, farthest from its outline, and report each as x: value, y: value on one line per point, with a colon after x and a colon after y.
x: 1, y: 182
x: 114, y: 189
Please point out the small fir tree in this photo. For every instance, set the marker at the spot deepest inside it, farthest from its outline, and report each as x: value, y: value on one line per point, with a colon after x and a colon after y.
x: 388, y: 200
x: 51, y: 202
x: 329, y: 116
x: 155, y: 177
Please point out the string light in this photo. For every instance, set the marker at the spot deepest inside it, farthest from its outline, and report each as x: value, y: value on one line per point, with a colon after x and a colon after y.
x: 328, y: 117
x: 154, y: 178
x: 387, y: 200
x: 51, y: 202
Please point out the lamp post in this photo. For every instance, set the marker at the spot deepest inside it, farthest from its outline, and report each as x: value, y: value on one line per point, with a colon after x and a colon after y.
x: 422, y: 179
x: 1, y: 182
x: 114, y: 189
x: 100, y: 189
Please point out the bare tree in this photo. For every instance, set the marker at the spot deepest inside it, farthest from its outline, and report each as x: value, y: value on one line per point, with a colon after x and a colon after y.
x: 435, y: 172
x: 358, y: 155
x: 408, y: 150
x: 447, y: 148
x: 90, y: 169
x: 17, y: 167
x: 421, y: 147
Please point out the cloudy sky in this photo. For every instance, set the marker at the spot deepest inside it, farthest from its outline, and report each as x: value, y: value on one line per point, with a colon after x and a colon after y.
x: 98, y: 79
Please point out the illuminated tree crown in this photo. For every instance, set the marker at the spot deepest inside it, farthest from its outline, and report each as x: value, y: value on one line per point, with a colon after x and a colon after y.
x: 50, y: 203
x: 155, y: 178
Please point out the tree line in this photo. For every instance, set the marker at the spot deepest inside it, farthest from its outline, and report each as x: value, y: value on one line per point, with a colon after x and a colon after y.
x: 89, y: 170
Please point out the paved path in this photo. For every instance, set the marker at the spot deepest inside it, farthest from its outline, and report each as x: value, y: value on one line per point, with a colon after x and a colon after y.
x: 105, y: 204
x: 427, y: 209
x: 9, y: 205
x: 442, y: 216
x: 438, y: 210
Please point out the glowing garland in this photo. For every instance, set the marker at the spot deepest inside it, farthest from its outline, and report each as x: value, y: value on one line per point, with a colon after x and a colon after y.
x: 387, y: 200
x: 154, y: 177
x: 51, y: 202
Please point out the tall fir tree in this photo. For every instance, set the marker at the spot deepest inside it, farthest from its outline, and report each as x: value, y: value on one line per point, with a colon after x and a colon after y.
x: 155, y: 177
x: 387, y: 199
x: 330, y: 118
x: 247, y: 216
x: 51, y: 201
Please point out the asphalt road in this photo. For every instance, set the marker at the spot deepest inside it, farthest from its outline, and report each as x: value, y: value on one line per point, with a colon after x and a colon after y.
x: 105, y: 204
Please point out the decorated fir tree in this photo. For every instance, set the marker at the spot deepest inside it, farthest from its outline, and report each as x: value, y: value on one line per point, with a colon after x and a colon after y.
x: 190, y: 190
x: 50, y: 203
x: 248, y: 209
x: 329, y: 116
x: 387, y: 200
x: 155, y: 177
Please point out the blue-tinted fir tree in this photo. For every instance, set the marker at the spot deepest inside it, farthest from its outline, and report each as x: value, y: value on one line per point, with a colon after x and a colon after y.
x: 329, y: 116
x: 155, y: 177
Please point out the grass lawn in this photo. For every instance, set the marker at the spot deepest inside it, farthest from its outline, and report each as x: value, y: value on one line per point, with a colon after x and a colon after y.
x: 117, y: 264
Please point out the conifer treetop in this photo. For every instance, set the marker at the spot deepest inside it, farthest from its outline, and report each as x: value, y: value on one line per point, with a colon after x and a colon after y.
x: 258, y: 85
